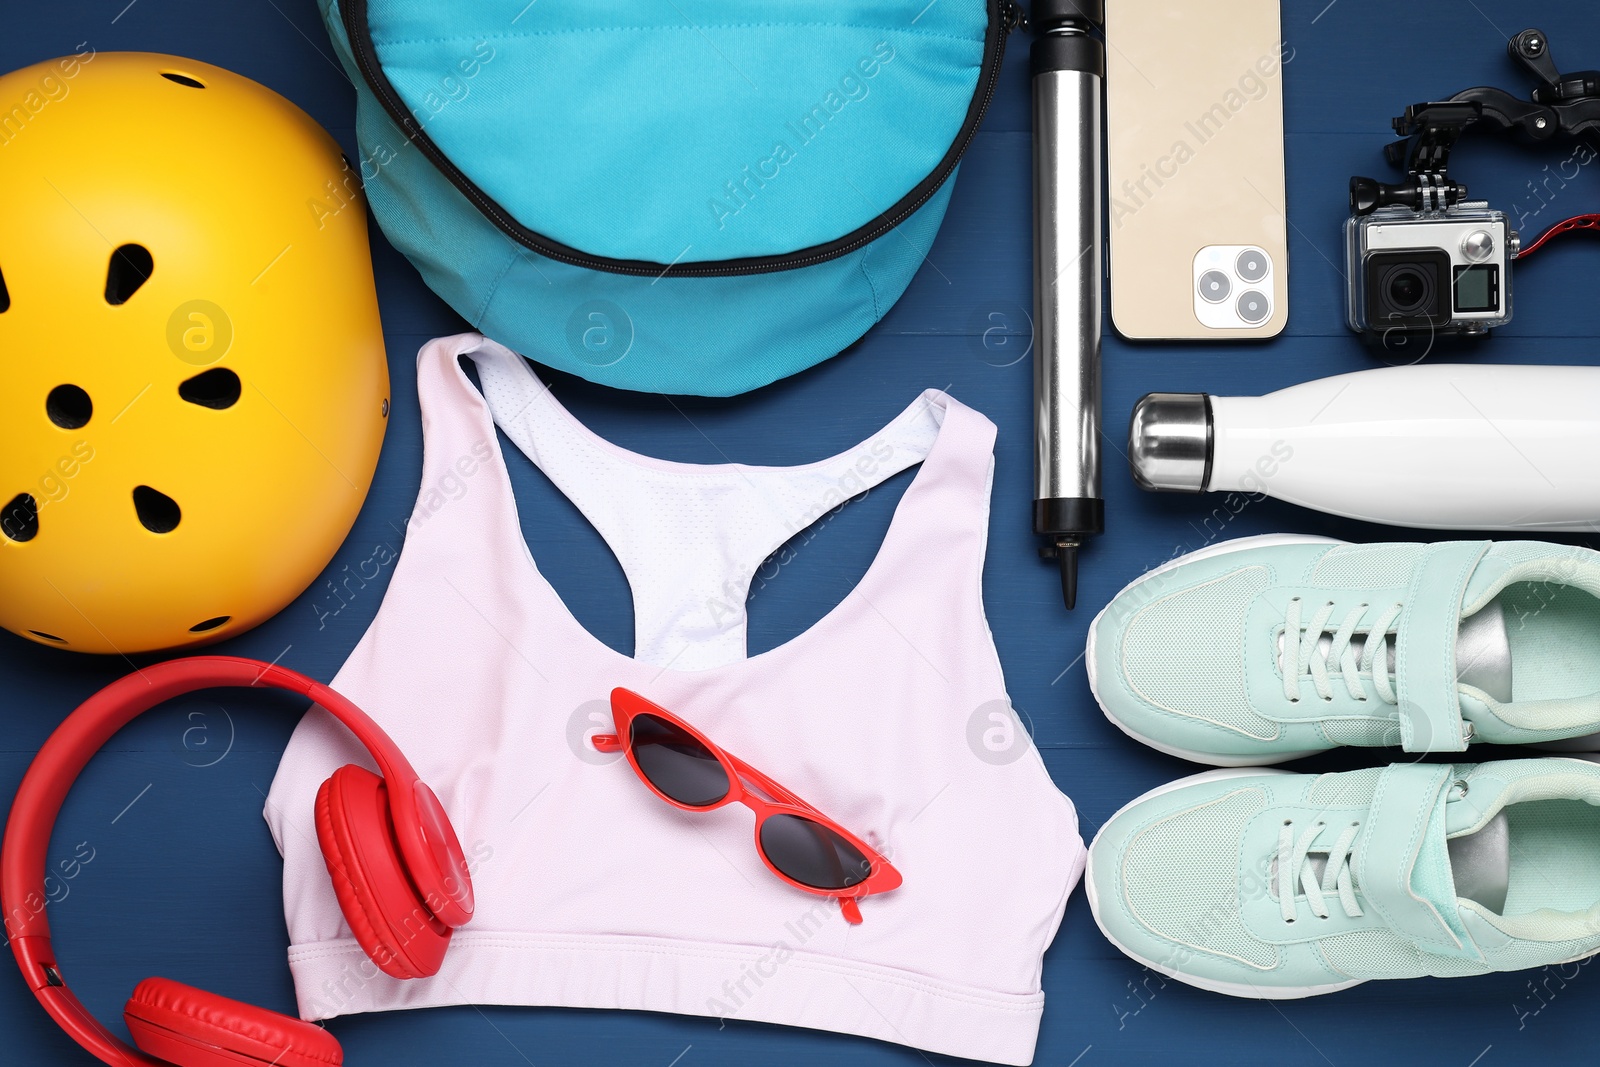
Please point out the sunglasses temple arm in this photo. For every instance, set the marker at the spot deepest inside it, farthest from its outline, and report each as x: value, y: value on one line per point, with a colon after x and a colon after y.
x: 850, y: 909
x: 606, y: 743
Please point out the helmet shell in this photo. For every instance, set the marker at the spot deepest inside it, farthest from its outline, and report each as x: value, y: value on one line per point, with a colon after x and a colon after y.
x: 193, y: 389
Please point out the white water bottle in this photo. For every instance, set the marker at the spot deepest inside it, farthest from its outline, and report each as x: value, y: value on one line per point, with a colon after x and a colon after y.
x: 1463, y: 447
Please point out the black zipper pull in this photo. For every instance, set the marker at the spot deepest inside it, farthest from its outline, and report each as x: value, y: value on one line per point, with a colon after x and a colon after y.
x: 1013, y: 17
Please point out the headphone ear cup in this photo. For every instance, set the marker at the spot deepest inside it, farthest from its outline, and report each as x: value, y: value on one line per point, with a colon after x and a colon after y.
x: 189, y: 1027
x: 390, y: 920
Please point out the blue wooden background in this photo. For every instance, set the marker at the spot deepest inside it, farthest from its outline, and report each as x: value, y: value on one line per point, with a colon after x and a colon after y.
x: 185, y: 882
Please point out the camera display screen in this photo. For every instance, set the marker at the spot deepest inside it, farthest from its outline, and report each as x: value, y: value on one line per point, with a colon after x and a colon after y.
x: 1478, y: 288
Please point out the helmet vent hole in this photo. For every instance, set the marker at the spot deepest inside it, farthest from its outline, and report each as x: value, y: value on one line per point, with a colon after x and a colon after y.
x: 131, y: 266
x: 217, y: 389
x: 5, y: 295
x: 209, y: 624
x: 20, y: 520
x: 69, y: 407
x: 158, y: 512
x: 183, y: 79
x: 48, y: 637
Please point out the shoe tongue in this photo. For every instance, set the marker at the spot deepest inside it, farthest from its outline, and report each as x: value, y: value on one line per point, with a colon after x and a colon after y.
x: 1481, y: 864
x: 1483, y: 652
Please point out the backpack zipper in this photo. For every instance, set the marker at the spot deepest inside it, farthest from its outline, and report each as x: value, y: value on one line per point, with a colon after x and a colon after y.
x: 1004, y: 16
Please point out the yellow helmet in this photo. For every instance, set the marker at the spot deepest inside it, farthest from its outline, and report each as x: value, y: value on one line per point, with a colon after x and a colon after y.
x: 193, y: 390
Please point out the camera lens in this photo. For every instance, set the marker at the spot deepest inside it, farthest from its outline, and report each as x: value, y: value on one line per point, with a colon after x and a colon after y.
x: 1214, y: 286
x: 1251, y: 264
x: 1406, y: 290
x: 1253, y: 307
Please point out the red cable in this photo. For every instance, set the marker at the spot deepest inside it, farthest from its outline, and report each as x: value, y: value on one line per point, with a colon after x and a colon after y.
x: 1577, y: 222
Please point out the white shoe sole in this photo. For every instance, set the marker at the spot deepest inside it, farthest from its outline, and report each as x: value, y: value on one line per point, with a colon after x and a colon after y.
x: 1232, y: 989
x: 1222, y: 548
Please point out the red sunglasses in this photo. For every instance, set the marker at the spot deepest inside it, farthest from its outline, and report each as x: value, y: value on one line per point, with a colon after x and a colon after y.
x: 796, y: 841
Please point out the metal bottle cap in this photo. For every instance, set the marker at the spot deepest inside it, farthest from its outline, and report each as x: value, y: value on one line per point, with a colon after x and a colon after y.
x: 1169, y: 442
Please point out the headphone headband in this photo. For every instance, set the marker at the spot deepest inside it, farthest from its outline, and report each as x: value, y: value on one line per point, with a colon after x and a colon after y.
x: 427, y: 843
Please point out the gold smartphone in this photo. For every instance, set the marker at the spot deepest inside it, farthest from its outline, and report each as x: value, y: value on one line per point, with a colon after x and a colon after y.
x: 1194, y: 149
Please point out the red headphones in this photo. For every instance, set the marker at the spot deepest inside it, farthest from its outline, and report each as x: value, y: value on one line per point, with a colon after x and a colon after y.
x: 397, y: 869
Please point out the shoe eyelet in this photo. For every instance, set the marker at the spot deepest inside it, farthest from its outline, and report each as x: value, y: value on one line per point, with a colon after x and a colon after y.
x: 1458, y: 789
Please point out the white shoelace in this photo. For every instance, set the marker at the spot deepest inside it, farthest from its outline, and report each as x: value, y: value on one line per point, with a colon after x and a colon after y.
x: 1303, y: 654
x: 1294, y: 864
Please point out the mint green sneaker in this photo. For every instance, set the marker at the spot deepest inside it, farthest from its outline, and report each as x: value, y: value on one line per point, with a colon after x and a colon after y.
x: 1269, y: 648
x: 1261, y: 883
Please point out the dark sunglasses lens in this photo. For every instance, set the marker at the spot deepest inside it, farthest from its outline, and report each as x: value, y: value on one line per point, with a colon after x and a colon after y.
x: 676, y: 763
x: 812, y: 854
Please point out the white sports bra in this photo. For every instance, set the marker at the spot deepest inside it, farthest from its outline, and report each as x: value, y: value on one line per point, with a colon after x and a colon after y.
x: 594, y: 893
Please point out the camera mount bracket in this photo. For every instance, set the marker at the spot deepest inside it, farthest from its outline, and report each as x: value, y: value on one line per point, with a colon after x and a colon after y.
x: 1562, y: 105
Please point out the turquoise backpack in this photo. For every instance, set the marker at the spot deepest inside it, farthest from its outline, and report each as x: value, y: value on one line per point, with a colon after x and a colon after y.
x: 686, y: 196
